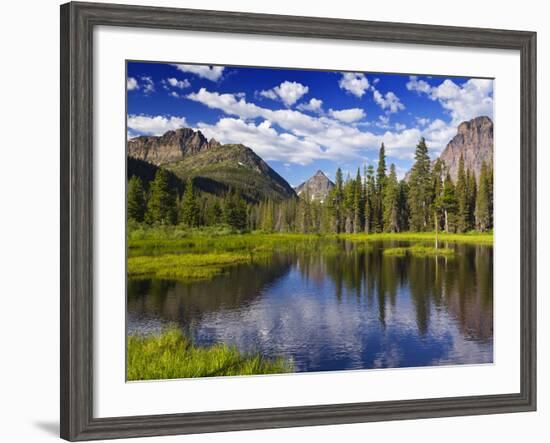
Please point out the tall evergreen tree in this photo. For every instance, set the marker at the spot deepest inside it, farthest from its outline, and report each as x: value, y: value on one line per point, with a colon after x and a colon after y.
x: 213, y: 212
x: 370, y: 192
x: 463, y: 215
x: 391, y: 202
x: 381, y: 169
x: 437, y: 186
x: 449, y: 204
x: 483, y: 213
x: 161, y: 207
x: 471, y: 193
x: 189, y: 212
x: 359, y: 204
x: 136, y: 203
x: 380, y: 189
x: 235, y: 210
x: 348, y: 205
x: 304, y: 214
x: 403, y: 206
x: 420, y: 192
x: 338, y: 202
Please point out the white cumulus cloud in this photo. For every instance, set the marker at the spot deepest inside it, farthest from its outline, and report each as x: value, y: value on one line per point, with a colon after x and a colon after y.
x: 288, y: 92
x: 181, y: 84
x: 389, y: 101
x: 354, y: 83
x: 314, y: 105
x: 132, y: 84
x: 462, y: 101
x: 213, y: 73
x: 418, y: 85
x: 154, y: 124
x: 347, y: 115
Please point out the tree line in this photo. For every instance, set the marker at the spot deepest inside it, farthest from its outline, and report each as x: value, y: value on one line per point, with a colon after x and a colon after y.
x: 374, y: 201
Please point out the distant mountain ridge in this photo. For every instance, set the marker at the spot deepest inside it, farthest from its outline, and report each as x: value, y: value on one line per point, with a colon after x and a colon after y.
x: 214, y: 168
x: 316, y: 187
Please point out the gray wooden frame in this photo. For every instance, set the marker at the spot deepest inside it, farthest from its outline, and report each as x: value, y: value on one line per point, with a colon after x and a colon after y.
x: 77, y: 23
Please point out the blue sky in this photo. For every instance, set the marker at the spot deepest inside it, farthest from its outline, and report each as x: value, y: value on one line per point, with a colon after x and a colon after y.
x: 300, y: 121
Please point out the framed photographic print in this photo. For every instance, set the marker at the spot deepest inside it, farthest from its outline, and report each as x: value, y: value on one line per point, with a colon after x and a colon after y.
x: 272, y: 221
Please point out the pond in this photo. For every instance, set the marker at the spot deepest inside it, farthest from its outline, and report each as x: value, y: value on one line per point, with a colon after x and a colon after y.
x: 346, y: 306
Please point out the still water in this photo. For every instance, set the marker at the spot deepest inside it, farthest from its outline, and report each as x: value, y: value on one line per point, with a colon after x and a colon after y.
x: 343, y: 307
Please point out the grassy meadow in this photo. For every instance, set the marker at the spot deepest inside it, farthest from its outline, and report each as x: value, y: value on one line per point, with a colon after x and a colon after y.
x: 172, y: 355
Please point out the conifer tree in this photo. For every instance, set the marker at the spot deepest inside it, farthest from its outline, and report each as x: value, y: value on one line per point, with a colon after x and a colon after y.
x: 391, y: 202
x: 403, y: 213
x: 420, y: 192
x: 161, y: 207
x: 463, y: 214
x: 304, y: 214
x: 189, y: 213
x: 381, y: 169
x: 212, y: 212
x: 370, y: 191
x: 449, y: 204
x: 268, y: 216
x: 358, y: 204
x: 472, y: 195
x: 437, y: 185
x: 483, y: 215
x: 235, y: 210
x: 348, y: 205
x: 337, y: 203
x: 136, y: 203
x: 380, y: 188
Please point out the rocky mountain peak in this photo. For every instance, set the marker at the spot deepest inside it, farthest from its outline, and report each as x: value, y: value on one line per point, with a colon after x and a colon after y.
x: 317, y: 187
x: 320, y: 174
x: 474, y: 142
x: 172, y: 146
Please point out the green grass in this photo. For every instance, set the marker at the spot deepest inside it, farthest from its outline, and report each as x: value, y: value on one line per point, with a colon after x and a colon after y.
x: 172, y: 355
x: 173, y: 252
x: 150, y: 240
x: 419, y: 251
x: 160, y: 240
x: 185, y: 266
x: 468, y: 237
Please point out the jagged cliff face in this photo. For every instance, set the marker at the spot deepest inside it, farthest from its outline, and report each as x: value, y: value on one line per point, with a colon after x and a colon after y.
x: 474, y: 141
x: 169, y: 147
x: 317, y: 187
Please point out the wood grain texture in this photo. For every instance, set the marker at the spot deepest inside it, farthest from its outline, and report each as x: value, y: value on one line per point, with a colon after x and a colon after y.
x: 77, y: 23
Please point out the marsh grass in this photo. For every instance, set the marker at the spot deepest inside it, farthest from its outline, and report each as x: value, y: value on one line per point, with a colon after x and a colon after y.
x: 173, y: 252
x: 186, y: 266
x: 172, y: 355
x: 468, y: 237
x: 419, y: 251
